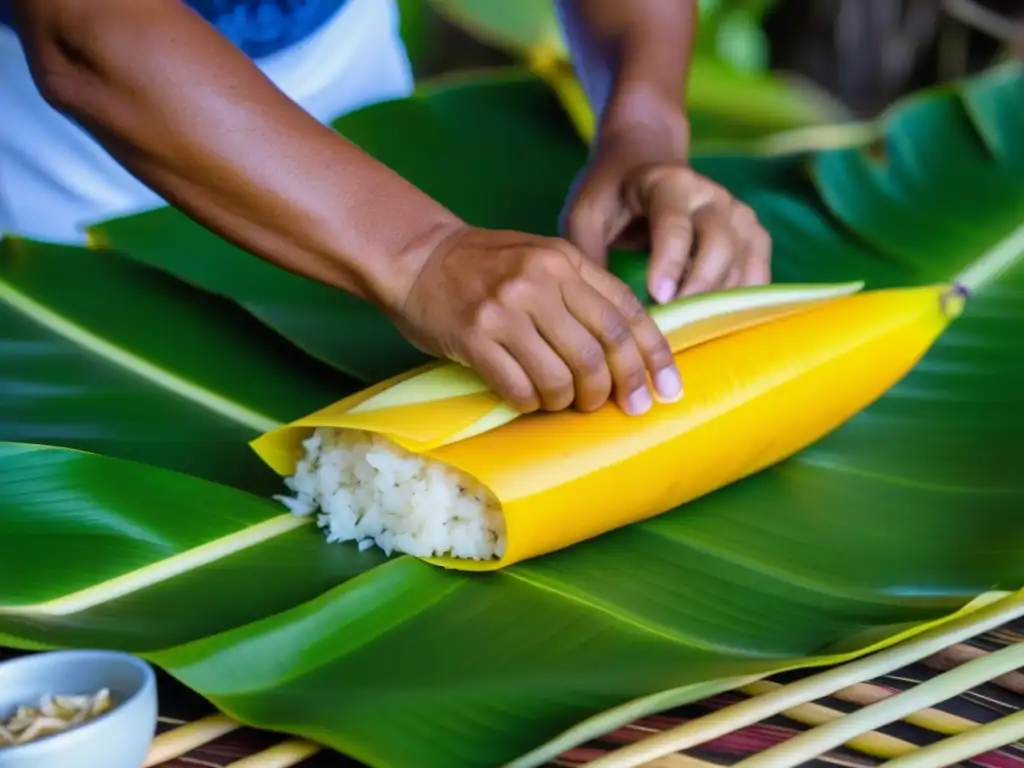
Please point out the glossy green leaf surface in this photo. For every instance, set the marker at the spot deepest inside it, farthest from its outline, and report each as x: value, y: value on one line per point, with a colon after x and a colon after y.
x: 144, y: 557
x: 102, y: 354
x: 901, y: 516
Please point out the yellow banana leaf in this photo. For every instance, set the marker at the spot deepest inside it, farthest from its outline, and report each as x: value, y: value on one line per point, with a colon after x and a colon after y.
x: 463, y: 406
x: 754, y: 396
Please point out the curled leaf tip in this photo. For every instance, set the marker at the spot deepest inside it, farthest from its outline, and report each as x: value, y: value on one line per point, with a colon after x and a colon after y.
x: 954, y: 299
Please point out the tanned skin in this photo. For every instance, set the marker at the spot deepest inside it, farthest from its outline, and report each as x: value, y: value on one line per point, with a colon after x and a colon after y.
x: 545, y: 326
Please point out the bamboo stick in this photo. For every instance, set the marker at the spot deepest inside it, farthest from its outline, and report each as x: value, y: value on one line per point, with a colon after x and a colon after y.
x: 805, y: 746
x: 823, y: 684
x: 951, y: 751
x: 863, y: 694
x: 680, y: 761
x: 958, y: 654
x: 283, y: 755
x: 875, y: 744
x: 180, y: 741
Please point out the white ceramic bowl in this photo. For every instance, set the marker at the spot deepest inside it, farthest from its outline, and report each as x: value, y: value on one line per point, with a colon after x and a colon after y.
x: 119, y: 738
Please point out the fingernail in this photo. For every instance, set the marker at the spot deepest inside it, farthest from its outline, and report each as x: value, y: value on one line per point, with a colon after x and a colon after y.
x: 663, y: 291
x: 668, y: 385
x: 639, y: 402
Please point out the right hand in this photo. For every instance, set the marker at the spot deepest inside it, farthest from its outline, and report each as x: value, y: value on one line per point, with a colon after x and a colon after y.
x: 542, y: 325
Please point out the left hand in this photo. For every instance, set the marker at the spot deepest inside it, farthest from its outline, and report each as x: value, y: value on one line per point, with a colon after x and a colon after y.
x: 700, y: 237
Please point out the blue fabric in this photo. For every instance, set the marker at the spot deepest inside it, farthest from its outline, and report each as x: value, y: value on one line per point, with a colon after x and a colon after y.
x: 258, y: 27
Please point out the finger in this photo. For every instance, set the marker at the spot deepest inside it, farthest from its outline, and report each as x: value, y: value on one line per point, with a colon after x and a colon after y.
x: 654, y: 347
x: 591, y: 221
x: 758, y: 269
x: 504, y: 375
x: 580, y: 351
x: 668, y: 211
x: 715, y: 251
x: 632, y: 343
x: 551, y: 378
x: 736, y: 274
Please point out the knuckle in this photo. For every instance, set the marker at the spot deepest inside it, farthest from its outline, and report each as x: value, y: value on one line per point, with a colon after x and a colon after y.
x: 590, y: 359
x: 543, y: 263
x: 583, y: 216
x: 700, y: 282
x: 743, y: 217
x: 515, y: 292
x: 631, y: 307
x: 631, y: 378
x: 617, y: 332
x: 487, y: 318
x: 522, y: 395
x: 677, y: 227
x: 660, y: 353
x: 557, y: 391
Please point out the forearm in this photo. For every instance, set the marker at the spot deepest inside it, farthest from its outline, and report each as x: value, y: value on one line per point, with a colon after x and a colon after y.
x: 632, y: 60
x: 194, y: 119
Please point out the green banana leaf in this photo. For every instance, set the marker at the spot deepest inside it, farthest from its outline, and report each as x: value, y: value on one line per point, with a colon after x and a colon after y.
x: 900, y: 517
x: 103, y: 354
x: 73, y: 523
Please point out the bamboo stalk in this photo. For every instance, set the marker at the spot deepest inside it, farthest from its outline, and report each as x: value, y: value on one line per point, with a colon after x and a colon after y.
x: 875, y: 744
x: 805, y: 746
x: 180, y: 741
x: 680, y: 761
x: 283, y: 755
x: 958, y: 654
x: 863, y: 694
x: 965, y: 746
x: 823, y: 684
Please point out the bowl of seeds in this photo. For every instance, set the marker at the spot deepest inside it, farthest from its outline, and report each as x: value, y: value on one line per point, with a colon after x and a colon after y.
x: 87, y: 709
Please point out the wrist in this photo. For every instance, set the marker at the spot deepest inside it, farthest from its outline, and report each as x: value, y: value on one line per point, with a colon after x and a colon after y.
x: 648, y: 118
x: 389, y: 281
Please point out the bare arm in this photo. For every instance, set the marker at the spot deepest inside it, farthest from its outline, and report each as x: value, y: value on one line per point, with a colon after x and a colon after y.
x: 195, y: 119
x: 632, y: 59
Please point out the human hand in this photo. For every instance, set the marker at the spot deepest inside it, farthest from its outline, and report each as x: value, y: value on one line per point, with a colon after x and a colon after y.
x: 700, y: 237
x: 543, y: 326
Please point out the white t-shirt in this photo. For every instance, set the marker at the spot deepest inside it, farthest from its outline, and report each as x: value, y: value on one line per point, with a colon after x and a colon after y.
x: 55, y: 180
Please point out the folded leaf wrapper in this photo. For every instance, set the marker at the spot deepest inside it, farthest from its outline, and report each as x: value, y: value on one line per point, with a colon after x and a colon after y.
x: 765, y: 376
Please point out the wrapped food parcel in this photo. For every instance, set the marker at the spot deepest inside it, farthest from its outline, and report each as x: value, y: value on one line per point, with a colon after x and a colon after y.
x: 433, y: 464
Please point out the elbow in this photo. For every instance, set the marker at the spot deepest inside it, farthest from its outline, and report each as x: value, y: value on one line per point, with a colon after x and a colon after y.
x: 59, y: 81
x: 59, y: 69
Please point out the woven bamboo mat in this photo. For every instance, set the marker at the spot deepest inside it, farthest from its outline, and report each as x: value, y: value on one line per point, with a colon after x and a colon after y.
x: 193, y: 736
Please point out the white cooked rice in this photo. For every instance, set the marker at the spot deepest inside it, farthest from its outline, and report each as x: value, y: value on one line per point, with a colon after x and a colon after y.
x: 369, y: 490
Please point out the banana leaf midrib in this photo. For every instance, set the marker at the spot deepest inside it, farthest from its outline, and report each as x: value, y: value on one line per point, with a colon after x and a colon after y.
x: 160, y: 570
x: 62, y: 326
x: 1001, y: 258
x: 335, y: 599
